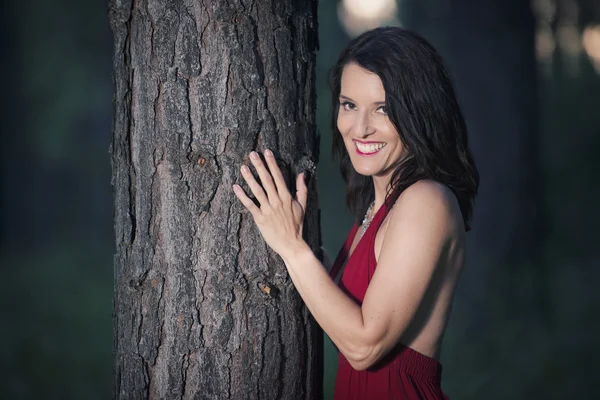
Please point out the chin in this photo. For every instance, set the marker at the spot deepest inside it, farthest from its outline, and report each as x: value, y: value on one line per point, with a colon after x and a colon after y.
x: 364, y: 171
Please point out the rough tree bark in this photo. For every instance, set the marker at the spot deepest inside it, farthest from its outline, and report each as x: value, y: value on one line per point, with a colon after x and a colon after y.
x: 203, y: 308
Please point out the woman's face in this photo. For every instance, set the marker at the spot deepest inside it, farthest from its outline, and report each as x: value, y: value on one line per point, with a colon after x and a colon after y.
x: 370, y: 137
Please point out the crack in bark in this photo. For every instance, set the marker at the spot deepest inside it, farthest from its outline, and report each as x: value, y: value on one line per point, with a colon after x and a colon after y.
x: 162, y: 325
x: 281, y: 346
x: 190, y: 156
x: 208, y: 20
x: 152, y: 33
x: 307, y: 343
x: 185, y: 364
x: 226, y: 147
x: 214, y: 190
x: 229, y: 376
x: 262, y: 358
x: 294, y: 51
x: 151, y: 198
x: 195, y: 28
x: 260, y: 65
x: 198, y: 306
x: 129, y: 28
x: 257, y: 135
x: 117, y: 382
x: 175, y: 40
x: 276, y: 58
x: 147, y: 378
x: 140, y: 284
x: 241, y: 277
x: 139, y: 328
x: 132, y: 164
x: 228, y: 85
x: 156, y: 106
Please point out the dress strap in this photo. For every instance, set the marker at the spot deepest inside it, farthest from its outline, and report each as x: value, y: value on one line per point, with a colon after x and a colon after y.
x: 343, y: 253
x: 378, y: 218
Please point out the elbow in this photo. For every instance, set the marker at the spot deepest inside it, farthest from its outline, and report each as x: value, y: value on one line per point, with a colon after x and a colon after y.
x: 363, y: 359
x: 365, y: 353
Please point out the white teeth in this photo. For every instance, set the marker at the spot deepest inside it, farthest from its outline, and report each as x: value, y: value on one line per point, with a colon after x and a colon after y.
x: 369, y: 148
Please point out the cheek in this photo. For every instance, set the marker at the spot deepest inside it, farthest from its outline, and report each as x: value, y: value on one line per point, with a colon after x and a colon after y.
x: 392, y: 133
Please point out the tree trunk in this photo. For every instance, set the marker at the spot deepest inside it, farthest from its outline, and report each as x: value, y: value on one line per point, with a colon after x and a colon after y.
x: 203, y: 308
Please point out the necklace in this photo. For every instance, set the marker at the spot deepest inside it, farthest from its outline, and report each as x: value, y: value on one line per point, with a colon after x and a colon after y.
x: 367, y: 220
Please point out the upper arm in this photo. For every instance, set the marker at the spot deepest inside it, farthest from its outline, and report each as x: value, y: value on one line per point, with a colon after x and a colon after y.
x: 420, y: 226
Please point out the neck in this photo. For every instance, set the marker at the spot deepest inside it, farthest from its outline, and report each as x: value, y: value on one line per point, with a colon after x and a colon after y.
x: 380, y: 184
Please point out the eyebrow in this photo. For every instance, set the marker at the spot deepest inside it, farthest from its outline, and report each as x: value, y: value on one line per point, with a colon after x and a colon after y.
x: 349, y: 99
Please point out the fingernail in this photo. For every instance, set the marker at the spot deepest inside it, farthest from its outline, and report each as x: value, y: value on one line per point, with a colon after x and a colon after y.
x: 245, y: 168
x: 253, y: 155
x: 268, y: 153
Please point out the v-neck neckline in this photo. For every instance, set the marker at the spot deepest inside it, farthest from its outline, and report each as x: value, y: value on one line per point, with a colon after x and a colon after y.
x: 345, y: 250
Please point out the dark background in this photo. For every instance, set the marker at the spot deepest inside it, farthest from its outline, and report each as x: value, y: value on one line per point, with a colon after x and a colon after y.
x: 525, y: 323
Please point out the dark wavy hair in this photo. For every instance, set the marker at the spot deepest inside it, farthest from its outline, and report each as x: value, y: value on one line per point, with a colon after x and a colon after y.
x: 422, y: 105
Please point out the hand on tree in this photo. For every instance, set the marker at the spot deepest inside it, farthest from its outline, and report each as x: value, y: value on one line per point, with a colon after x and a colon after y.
x: 280, y: 217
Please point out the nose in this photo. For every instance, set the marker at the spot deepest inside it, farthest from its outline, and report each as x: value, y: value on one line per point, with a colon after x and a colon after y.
x: 363, y: 126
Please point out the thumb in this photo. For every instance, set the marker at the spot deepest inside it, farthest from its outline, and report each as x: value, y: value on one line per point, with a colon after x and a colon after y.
x: 301, y: 190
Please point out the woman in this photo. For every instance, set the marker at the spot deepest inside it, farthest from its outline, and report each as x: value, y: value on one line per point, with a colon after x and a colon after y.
x: 411, y: 182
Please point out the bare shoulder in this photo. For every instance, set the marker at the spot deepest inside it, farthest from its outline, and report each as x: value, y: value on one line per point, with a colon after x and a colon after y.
x: 428, y: 203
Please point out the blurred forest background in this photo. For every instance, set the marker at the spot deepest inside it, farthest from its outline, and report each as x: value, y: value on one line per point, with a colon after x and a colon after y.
x: 527, y: 315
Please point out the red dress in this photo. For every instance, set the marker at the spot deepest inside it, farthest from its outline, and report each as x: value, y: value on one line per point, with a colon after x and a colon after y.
x: 404, y: 373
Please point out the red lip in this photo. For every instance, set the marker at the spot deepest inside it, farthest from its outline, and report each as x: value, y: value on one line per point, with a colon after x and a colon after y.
x: 361, y: 142
x: 366, y: 154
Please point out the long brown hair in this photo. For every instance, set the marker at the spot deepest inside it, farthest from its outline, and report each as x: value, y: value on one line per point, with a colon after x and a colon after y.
x: 422, y: 105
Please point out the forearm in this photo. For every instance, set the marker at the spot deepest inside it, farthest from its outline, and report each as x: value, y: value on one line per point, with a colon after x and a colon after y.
x: 339, y: 316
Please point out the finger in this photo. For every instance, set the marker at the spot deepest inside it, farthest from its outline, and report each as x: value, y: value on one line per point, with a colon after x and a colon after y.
x: 255, y: 187
x: 301, y: 190
x: 265, y: 177
x: 282, y: 188
x: 246, y: 201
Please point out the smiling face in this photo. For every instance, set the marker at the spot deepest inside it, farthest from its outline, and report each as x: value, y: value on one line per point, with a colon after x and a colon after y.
x: 371, y: 139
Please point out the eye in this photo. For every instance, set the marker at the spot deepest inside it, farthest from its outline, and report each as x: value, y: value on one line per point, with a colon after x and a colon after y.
x: 348, y: 106
x: 382, y: 110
